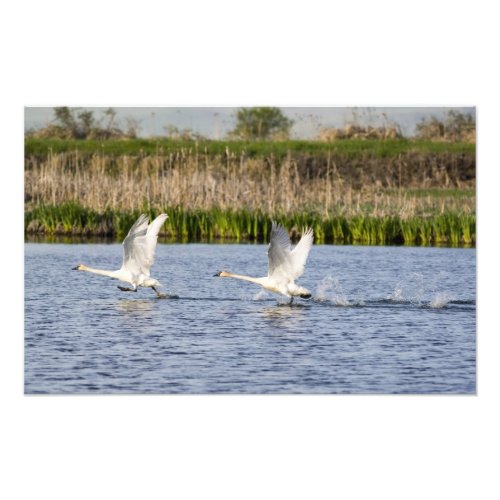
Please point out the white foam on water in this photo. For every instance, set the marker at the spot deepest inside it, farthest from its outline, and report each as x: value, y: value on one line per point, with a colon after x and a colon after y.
x: 329, y: 289
x: 441, y: 299
x: 261, y: 295
x: 414, y: 286
x: 409, y: 289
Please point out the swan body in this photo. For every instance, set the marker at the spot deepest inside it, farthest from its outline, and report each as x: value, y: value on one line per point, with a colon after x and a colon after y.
x: 285, y: 264
x: 138, y: 256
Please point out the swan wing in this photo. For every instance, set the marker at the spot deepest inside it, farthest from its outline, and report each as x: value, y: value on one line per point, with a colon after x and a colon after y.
x: 134, y: 250
x: 151, y: 240
x: 140, y: 244
x: 280, y: 262
x: 300, y: 253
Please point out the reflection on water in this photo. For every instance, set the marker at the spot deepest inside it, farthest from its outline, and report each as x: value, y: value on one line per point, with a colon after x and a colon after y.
x: 409, y: 327
x: 138, y: 306
x: 285, y: 316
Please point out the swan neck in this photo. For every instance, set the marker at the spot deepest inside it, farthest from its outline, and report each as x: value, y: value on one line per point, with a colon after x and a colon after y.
x: 244, y: 278
x: 102, y: 272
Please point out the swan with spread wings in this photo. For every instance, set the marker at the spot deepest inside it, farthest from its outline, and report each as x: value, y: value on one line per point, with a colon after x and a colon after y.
x: 285, y: 264
x: 138, y: 256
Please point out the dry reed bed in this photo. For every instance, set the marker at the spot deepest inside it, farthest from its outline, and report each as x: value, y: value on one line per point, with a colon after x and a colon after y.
x: 381, y: 187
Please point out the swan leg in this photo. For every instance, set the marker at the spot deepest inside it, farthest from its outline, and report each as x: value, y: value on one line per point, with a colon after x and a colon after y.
x: 125, y: 289
x: 158, y: 294
x: 291, y: 300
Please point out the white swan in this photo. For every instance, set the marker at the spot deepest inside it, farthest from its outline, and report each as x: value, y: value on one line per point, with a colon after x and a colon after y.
x: 285, y: 264
x: 138, y: 256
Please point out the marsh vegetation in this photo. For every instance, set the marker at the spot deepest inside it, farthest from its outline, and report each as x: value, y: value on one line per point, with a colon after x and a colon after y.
x: 356, y: 191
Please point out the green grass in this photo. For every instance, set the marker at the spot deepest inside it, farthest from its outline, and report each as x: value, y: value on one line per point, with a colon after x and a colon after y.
x: 242, y: 225
x: 348, y: 148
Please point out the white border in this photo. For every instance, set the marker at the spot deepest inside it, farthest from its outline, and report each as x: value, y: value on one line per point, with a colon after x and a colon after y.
x: 244, y: 53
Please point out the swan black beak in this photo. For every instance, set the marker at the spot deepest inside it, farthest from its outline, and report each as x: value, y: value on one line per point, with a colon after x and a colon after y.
x: 217, y: 274
x: 74, y: 268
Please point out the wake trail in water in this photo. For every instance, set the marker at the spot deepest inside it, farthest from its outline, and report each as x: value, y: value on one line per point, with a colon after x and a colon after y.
x: 412, y: 288
x: 168, y: 296
x: 411, y: 291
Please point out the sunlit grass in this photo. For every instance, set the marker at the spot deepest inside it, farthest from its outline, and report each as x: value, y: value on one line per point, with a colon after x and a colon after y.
x: 373, y: 147
x: 242, y: 225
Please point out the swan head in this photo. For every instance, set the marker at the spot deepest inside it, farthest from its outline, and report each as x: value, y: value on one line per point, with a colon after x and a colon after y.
x: 79, y: 267
x: 222, y: 274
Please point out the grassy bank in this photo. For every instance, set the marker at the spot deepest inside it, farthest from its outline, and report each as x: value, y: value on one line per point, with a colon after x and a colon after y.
x: 243, y: 225
x: 41, y: 148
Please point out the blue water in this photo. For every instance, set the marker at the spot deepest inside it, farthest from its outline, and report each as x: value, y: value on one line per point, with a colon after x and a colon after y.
x: 381, y: 320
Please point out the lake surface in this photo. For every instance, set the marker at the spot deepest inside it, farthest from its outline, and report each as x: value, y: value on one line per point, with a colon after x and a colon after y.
x: 381, y: 320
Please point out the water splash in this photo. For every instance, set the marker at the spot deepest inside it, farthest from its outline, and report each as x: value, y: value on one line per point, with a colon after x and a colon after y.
x: 409, y: 289
x: 440, y: 300
x: 413, y: 287
x: 261, y: 295
x: 330, y: 290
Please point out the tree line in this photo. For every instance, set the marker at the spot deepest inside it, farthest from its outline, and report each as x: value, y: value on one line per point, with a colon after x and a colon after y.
x: 253, y: 124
